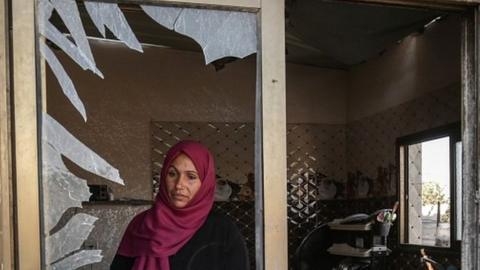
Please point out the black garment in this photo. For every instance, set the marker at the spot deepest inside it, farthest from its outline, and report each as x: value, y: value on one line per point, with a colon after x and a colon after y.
x: 217, y: 245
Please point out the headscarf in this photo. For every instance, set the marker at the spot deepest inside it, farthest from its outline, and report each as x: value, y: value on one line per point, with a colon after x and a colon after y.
x: 159, y: 232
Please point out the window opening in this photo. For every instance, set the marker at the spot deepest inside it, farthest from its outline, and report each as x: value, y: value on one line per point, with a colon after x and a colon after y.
x: 355, y: 86
x: 429, y: 176
x: 220, y: 33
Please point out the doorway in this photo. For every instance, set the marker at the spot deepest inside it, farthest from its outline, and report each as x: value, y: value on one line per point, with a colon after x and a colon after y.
x: 360, y: 78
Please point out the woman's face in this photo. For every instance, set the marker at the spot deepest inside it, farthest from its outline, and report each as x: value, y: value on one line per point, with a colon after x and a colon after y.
x: 182, y: 181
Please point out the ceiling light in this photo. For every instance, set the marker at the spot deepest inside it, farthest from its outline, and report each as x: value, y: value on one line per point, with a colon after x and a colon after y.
x: 432, y: 22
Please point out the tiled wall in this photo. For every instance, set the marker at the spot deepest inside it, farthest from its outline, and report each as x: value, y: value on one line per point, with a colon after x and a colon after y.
x: 315, y: 158
x: 371, y: 143
x: 231, y: 144
x: 360, y: 169
x: 243, y: 214
x: 371, y: 140
x: 333, y: 170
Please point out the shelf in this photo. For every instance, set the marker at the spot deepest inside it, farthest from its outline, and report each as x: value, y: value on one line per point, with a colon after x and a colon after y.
x: 349, y: 251
x: 119, y: 202
x: 346, y: 250
x: 350, y: 227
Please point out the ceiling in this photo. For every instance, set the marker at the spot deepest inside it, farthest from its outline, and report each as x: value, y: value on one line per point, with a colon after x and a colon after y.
x: 340, y: 34
x: 329, y: 34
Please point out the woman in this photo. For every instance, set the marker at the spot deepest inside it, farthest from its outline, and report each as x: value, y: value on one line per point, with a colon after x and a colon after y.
x: 179, y: 232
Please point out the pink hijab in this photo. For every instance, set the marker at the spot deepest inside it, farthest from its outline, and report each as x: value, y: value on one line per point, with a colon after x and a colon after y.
x: 159, y: 232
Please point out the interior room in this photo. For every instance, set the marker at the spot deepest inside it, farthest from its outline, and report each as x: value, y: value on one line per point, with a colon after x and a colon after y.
x: 369, y: 82
x: 361, y: 79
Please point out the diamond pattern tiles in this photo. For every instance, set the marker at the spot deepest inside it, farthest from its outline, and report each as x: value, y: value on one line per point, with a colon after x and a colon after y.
x: 363, y: 145
x: 232, y: 145
x: 314, y: 148
x: 415, y: 194
x: 314, y: 153
x: 243, y: 214
x: 371, y: 140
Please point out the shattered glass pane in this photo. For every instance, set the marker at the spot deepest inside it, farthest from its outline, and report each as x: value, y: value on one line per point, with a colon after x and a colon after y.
x: 70, y: 238
x: 63, y: 79
x: 54, y: 35
x: 80, y: 54
x: 109, y: 15
x: 220, y: 33
x: 67, y: 145
x: 63, y: 190
x: 80, y: 50
x: 78, y: 259
x: 165, y: 16
x: 68, y: 11
x: 45, y: 10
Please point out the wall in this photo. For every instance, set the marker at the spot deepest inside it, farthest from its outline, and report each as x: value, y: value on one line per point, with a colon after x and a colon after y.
x: 418, y: 65
x: 316, y: 95
x: 413, y: 86
x: 371, y: 140
x: 169, y: 85
x: 347, y: 121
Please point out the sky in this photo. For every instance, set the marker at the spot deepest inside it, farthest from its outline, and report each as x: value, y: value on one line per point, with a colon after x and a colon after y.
x: 436, y: 162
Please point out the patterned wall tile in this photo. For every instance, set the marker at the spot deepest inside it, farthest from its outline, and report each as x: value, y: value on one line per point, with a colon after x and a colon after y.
x: 367, y: 153
x: 232, y: 145
x: 243, y: 214
x: 315, y: 156
x: 316, y: 148
x: 371, y: 140
x: 322, y: 160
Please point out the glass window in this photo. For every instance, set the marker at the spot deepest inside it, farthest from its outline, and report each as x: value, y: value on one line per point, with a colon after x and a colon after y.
x: 155, y: 80
x: 429, y: 169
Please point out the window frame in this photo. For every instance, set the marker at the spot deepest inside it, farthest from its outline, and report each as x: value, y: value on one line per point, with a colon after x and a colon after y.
x: 270, y: 118
x: 20, y: 67
x: 453, y: 131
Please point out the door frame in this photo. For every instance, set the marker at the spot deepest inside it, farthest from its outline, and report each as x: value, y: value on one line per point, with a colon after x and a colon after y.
x: 470, y: 139
x: 270, y: 155
x: 6, y: 218
x: 19, y: 128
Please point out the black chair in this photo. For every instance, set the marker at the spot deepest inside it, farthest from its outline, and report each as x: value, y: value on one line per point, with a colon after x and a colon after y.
x: 312, y: 253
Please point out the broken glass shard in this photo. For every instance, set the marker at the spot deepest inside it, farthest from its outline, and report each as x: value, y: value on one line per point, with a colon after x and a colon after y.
x: 165, y: 16
x: 109, y: 15
x: 81, y: 55
x: 68, y: 11
x: 78, y: 259
x: 70, y: 238
x: 220, y: 33
x: 62, y: 189
x: 69, y: 146
x: 63, y: 79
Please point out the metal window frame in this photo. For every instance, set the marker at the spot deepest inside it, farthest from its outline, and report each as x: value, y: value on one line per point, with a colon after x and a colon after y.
x: 6, y: 220
x: 470, y: 139
x: 452, y: 131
